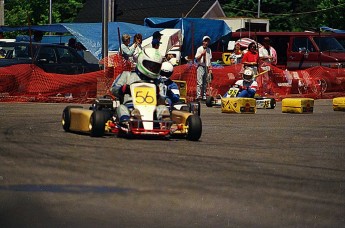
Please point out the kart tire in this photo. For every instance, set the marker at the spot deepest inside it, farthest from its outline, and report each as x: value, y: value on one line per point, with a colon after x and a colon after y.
x: 66, y: 117
x: 273, y: 103
x: 194, y: 128
x: 209, y: 101
x: 97, y: 122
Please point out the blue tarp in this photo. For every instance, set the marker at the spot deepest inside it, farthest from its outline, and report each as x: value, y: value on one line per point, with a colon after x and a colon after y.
x: 193, y: 30
x: 328, y: 29
x: 90, y: 34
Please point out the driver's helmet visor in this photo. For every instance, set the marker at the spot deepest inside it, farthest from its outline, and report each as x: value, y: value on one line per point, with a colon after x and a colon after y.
x: 152, y: 66
x: 247, y: 77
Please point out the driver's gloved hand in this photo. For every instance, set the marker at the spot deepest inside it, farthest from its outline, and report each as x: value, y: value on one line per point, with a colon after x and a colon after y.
x: 125, y: 89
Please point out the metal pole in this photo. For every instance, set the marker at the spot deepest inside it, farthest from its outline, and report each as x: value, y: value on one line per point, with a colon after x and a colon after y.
x: 105, y: 11
x: 2, y: 13
x: 258, y: 8
x: 50, y: 11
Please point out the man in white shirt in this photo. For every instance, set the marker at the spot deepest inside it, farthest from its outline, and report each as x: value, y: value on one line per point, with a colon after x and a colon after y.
x: 267, y: 53
x: 203, y: 57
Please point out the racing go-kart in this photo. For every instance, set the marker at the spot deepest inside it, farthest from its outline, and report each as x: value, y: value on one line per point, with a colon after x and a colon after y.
x: 261, y: 102
x: 101, y: 118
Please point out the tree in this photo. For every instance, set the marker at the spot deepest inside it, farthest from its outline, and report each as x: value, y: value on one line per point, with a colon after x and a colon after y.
x: 295, y: 15
x: 21, y: 12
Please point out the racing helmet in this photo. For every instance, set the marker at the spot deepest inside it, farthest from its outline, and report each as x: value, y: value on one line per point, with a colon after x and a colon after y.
x: 150, y: 62
x: 167, y: 69
x: 248, y: 74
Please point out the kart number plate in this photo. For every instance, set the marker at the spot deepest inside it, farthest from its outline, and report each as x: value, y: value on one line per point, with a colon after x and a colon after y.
x: 233, y: 92
x: 145, y: 96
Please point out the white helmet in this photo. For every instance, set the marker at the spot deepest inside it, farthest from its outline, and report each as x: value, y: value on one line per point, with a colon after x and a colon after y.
x: 248, y: 74
x: 167, y: 69
x: 150, y: 62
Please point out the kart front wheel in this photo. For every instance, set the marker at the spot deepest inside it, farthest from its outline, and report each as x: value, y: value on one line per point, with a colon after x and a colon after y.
x: 66, y: 117
x: 194, y: 125
x: 97, y: 123
x: 209, y: 101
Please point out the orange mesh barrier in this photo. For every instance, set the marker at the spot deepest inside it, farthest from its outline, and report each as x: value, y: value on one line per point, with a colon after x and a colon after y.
x: 25, y: 82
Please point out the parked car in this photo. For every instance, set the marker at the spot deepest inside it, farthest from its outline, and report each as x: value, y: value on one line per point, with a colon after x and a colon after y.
x: 52, y: 58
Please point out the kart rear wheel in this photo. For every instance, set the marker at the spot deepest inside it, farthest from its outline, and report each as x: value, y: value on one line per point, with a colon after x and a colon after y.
x: 194, y: 128
x: 66, y: 117
x: 209, y: 101
x: 97, y: 123
x: 273, y: 103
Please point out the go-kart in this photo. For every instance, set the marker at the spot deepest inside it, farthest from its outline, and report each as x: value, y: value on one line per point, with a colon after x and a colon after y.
x: 261, y: 102
x: 101, y: 118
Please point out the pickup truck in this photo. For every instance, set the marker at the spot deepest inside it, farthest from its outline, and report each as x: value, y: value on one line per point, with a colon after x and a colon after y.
x: 52, y: 58
x: 298, y: 50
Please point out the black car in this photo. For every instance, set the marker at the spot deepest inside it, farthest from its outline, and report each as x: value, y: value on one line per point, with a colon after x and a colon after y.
x: 52, y: 58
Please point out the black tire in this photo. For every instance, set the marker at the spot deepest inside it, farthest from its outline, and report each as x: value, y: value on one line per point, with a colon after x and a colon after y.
x: 97, y: 122
x: 273, y: 103
x: 194, y: 128
x: 66, y: 117
x: 209, y: 101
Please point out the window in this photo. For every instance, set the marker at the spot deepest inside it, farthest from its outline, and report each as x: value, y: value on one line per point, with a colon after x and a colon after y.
x: 66, y: 56
x: 47, y: 54
x: 328, y: 44
x: 302, y: 43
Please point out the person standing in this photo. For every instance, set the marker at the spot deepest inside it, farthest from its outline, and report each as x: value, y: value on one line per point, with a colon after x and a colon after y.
x: 127, y: 51
x: 155, y: 43
x: 251, y: 57
x: 267, y: 53
x: 203, y: 57
x: 138, y: 39
x: 237, y: 54
x: 157, y: 35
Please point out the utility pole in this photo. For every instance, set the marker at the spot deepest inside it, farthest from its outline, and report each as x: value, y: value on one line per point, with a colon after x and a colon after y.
x: 50, y: 11
x: 2, y: 12
x: 105, y: 20
x: 258, y: 8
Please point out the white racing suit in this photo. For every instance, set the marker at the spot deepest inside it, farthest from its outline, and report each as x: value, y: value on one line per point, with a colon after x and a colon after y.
x: 121, y: 89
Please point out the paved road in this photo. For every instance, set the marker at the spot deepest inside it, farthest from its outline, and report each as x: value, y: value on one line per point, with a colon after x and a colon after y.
x: 270, y: 169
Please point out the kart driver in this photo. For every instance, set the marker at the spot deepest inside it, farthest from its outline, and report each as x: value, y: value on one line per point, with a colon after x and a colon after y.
x: 147, y: 70
x: 167, y: 88
x: 247, y: 85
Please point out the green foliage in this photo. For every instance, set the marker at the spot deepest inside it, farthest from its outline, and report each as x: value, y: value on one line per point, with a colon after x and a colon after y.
x: 295, y: 15
x: 36, y: 12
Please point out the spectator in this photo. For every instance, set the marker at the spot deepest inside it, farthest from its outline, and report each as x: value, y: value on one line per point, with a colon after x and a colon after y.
x: 80, y: 49
x: 237, y: 54
x: 155, y: 43
x: 157, y: 35
x: 203, y: 57
x: 38, y: 35
x: 267, y: 53
x: 138, y: 39
x: 72, y: 43
x: 251, y: 58
x: 127, y: 51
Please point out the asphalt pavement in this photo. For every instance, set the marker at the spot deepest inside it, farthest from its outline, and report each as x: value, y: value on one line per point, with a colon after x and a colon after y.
x: 269, y: 169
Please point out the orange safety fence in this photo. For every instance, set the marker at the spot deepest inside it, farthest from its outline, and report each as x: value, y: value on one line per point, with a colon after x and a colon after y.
x: 29, y: 83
